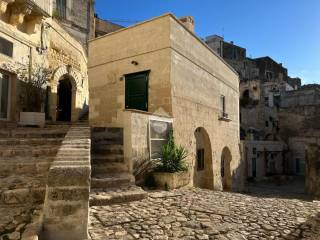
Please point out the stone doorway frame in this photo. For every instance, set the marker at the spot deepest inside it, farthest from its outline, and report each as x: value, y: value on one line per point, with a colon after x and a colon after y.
x: 76, y: 82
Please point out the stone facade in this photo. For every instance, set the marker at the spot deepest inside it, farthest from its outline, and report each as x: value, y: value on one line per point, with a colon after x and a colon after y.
x: 186, y: 81
x: 263, y: 158
x: 263, y: 85
x: 36, y: 38
x: 76, y: 17
x: 103, y: 27
x: 299, y: 125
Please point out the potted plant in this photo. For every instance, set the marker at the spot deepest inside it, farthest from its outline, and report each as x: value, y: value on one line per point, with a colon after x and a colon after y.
x: 172, y: 170
x: 33, y: 83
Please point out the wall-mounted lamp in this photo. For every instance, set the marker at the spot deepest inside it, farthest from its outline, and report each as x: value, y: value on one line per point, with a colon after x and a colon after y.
x: 135, y: 63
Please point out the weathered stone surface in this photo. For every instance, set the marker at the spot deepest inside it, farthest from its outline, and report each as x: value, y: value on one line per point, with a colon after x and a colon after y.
x: 204, y: 214
x: 67, y: 196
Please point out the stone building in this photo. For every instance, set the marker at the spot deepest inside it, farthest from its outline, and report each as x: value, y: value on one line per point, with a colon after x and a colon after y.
x: 263, y: 158
x: 103, y: 27
x: 156, y: 75
x: 76, y: 17
x: 31, y: 35
x: 299, y: 124
x: 262, y: 83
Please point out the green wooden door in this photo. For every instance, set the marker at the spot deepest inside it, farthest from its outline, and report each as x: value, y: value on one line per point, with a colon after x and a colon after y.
x: 137, y: 91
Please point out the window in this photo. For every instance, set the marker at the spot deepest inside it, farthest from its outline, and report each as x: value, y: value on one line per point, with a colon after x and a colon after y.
x: 254, y: 150
x: 223, y: 106
x: 269, y: 75
x: 254, y: 167
x: 298, y: 166
x: 137, y: 91
x: 222, y: 167
x: 200, y: 159
x: 267, y: 123
x: 62, y: 8
x: 6, y: 47
x: 4, y: 96
x: 159, y: 132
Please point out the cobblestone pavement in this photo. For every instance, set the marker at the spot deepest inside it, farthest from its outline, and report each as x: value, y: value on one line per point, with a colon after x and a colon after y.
x: 204, y: 214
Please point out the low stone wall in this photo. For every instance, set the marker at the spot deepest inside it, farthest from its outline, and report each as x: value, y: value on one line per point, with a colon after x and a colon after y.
x: 66, y: 206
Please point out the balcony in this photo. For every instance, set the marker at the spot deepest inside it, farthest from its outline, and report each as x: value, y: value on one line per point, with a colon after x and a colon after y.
x: 44, y: 5
x: 26, y: 7
x: 26, y: 15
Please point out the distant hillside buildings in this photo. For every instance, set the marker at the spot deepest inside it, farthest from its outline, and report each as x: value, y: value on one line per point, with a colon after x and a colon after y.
x: 279, y: 117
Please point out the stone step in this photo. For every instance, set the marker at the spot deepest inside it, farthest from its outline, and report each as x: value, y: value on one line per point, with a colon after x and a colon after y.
x: 23, y: 196
x: 58, y: 132
x: 105, y: 181
x: 8, y: 168
x: 30, y: 141
x: 116, y: 196
x: 112, y: 167
x: 27, y: 151
x: 24, y: 159
x: 107, y: 149
x: 24, y: 180
x: 105, y: 159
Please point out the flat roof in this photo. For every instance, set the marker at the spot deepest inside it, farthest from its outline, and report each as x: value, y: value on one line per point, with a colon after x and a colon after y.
x: 179, y: 22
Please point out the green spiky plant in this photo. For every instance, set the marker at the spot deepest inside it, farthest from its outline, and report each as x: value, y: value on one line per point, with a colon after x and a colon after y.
x: 172, y: 157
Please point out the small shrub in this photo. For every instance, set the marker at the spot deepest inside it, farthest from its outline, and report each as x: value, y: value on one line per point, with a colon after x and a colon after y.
x: 172, y: 157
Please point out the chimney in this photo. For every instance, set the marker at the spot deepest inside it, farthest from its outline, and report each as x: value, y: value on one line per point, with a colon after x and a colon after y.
x: 188, y: 22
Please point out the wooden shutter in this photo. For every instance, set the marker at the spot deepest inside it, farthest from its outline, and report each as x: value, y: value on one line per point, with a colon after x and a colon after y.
x: 137, y: 91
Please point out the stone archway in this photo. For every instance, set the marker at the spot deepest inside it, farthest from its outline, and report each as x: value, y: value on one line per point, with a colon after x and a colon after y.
x: 66, y: 75
x: 226, y: 176
x: 203, y: 169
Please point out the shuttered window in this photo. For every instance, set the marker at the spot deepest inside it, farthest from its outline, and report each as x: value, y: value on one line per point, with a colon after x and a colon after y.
x: 137, y: 91
x: 6, y: 47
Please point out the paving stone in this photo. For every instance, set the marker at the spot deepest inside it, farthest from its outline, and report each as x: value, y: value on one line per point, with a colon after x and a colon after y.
x: 205, y: 214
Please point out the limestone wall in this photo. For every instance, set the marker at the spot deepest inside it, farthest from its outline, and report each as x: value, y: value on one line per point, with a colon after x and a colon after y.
x: 186, y: 82
x: 43, y: 41
x: 198, y: 79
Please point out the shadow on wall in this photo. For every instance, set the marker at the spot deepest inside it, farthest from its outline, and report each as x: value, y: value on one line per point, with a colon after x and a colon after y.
x: 203, y: 169
x: 238, y: 183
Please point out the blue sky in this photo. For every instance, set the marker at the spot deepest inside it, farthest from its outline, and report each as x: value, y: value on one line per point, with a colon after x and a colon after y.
x: 286, y: 30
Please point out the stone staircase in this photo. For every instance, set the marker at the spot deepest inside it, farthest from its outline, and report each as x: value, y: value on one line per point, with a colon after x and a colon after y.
x: 25, y: 158
x: 111, y: 181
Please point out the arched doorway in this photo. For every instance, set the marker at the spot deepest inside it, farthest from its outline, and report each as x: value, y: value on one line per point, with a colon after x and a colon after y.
x: 64, y: 99
x: 203, y: 171
x: 226, y: 177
